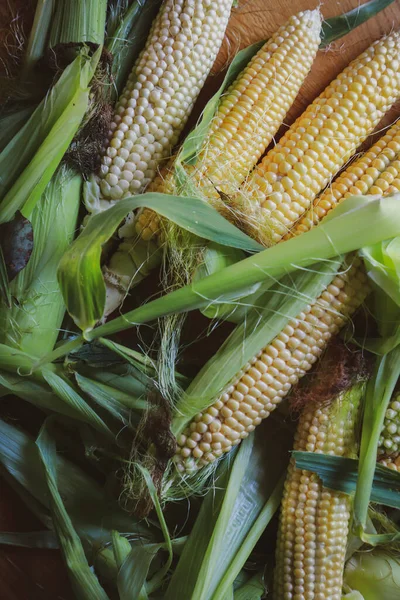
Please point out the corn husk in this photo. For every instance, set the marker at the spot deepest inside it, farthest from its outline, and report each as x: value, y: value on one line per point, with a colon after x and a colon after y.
x: 231, y: 520
x: 357, y: 222
x: 33, y: 322
x: 373, y: 575
x: 78, y: 22
x: 83, y: 580
x: 128, y: 36
x: 31, y: 158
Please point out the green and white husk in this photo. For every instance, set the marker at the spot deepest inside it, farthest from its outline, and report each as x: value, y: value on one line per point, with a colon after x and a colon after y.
x: 236, y: 510
x: 383, y: 266
x: 128, y: 35
x: 125, y: 263
x: 31, y: 158
x: 92, y: 513
x: 357, y: 222
x: 11, y: 123
x: 33, y: 322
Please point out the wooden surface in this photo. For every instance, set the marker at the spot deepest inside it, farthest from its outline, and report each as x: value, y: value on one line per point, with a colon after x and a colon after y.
x: 39, y: 575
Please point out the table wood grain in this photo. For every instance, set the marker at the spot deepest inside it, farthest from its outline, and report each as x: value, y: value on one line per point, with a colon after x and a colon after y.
x: 40, y: 575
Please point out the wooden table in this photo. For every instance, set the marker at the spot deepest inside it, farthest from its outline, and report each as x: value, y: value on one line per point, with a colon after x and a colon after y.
x: 40, y: 575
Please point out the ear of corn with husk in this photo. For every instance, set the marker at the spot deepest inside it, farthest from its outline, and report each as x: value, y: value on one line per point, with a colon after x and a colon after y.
x: 248, y: 116
x: 153, y: 108
x: 193, y: 442
x: 268, y: 377
x: 314, y: 520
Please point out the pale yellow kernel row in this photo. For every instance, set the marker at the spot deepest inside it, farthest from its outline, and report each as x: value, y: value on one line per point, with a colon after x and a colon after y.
x: 267, y: 379
x: 375, y: 172
x: 248, y: 116
x: 314, y: 521
x: 160, y: 93
x: 320, y: 142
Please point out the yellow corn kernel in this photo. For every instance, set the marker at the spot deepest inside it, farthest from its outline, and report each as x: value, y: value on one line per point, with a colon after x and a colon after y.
x: 249, y: 115
x: 267, y: 379
x: 375, y: 172
x: 284, y: 184
x: 314, y: 521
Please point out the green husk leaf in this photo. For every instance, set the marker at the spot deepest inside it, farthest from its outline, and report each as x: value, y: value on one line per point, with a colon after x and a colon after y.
x: 33, y: 319
x: 378, y: 394
x: 336, y: 27
x: 375, y: 575
x: 122, y: 378
x: 158, y: 578
x: 129, y: 37
x: 31, y: 158
x: 83, y: 579
x: 66, y: 392
x: 78, y: 22
x: 58, y: 395
x: 357, y: 222
x: 137, y: 360
x: 121, y: 548
x: 383, y: 266
x: 11, y: 123
x: 93, y: 513
x: 38, y: 34
x: 30, y: 539
x: 232, y: 518
x: 36, y: 393
x: 81, y: 263
x: 279, y: 304
x: 117, y: 403
x: 341, y: 474
x: 135, y: 567
x: 254, y: 589
x: 216, y: 258
x: 134, y: 570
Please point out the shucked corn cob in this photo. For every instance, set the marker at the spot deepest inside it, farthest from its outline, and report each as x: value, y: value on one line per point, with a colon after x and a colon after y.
x: 323, y: 138
x: 181, y: 48
x: 249, y: 115
x: 375, y: 172
x: 314, y: 521
x: 267, y: 379
x: 389, y: 443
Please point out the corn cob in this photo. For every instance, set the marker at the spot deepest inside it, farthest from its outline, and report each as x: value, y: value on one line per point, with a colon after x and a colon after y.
x: 314, y: 521
x: 389, y: 442
x: 322, y: 139
x: 383, y: 158
x: 181, y: 48
x: 267, y: 379
x: 249, y: 115
x: 375, y: 172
